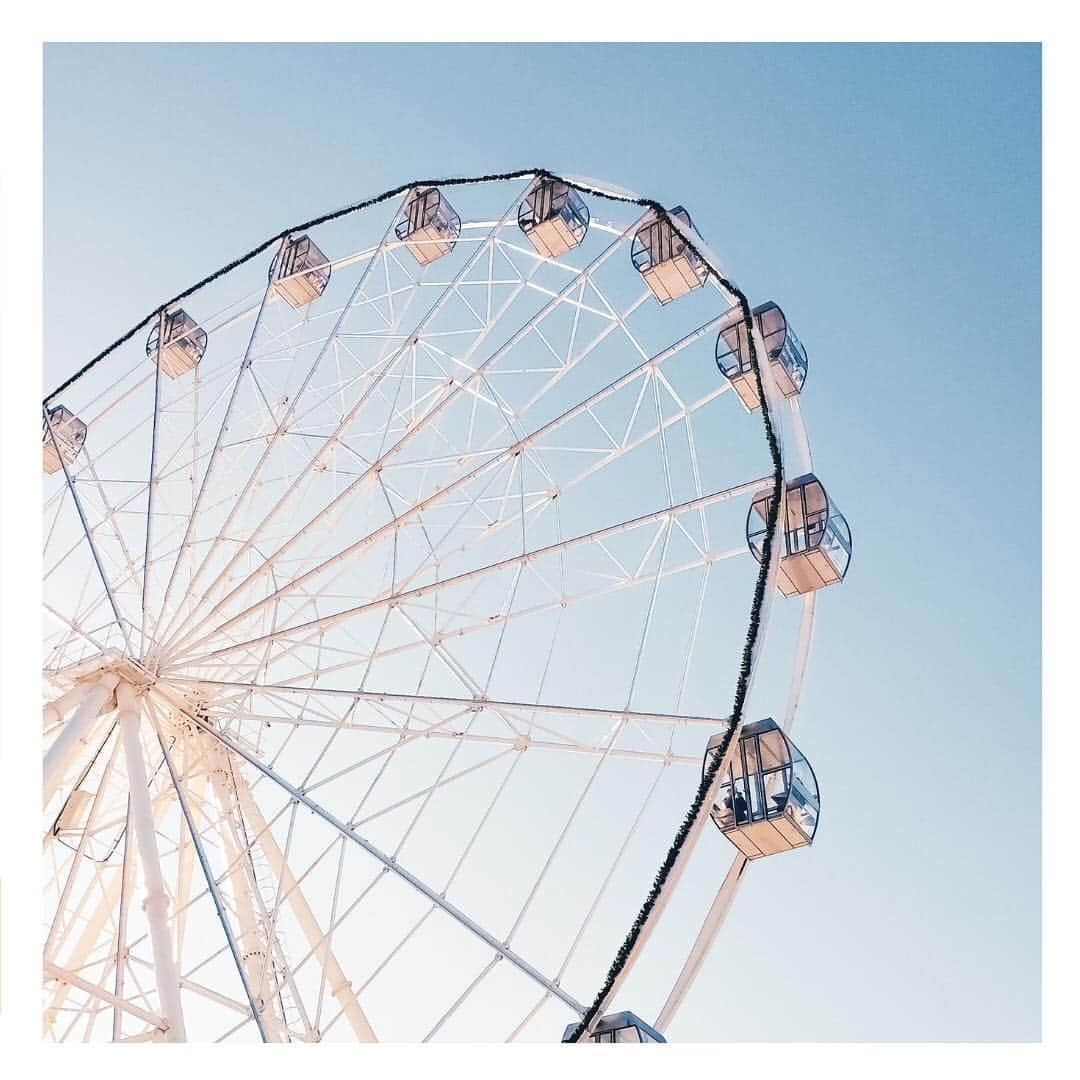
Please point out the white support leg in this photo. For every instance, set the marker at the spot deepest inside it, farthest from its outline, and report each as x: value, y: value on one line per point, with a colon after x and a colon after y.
x: 76, y: 733
x: 339, y: 985
x: 255, y: 950
x: 186, y: 868
x: 120, y: 965
x: 157, y: 902
x: 56, y: 710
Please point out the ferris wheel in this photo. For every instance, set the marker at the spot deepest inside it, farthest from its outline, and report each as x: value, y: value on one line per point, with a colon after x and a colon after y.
x: 397, y: 585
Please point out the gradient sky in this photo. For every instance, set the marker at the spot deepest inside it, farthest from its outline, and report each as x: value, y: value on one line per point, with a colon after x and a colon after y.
x: 889, y: 198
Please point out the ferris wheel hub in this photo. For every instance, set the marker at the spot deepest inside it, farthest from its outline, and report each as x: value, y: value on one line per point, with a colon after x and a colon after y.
x: 188, y: 709
x: 111, y: 662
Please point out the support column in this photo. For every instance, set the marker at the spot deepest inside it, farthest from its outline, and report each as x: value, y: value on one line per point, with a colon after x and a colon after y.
x: 195, y: 785
x: 76, y: 733
x: 56, y: 710
x: 254, y: 945
x: 340, y: 987
x: 156, y: 904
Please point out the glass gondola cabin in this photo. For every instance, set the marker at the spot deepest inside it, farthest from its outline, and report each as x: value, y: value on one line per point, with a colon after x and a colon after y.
x: 786, y: 355
x: 768, y: 801
x: 63, y: 438
x: 816, y: 539
x: 429, y: 225
x: 183, y: 346
x: 623, y: 1027
x: 661, y: 256
x: 300, y: 272
x: 553, y: 217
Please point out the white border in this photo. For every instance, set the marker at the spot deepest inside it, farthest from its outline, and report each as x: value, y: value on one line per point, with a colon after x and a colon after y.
x: 20, y: 391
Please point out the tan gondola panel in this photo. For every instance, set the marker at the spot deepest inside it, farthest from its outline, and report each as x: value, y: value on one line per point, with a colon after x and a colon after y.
x: 816, y: 538
x: 428, y: 225
x: 300, y: 272
x: 787, y: 357
x: 553, y: 218
x: 768, y: 801
x: 664, y: 259
x: 63, y: 438
x: 183, y: 347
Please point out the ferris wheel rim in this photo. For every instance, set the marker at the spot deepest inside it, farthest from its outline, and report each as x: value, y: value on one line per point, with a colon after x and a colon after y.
x: 178, y: 677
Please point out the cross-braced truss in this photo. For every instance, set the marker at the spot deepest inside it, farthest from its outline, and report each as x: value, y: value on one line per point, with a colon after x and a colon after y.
x: 383, y: 646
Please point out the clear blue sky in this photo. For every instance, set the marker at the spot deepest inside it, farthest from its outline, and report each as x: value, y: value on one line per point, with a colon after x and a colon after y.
x: 889, y: 198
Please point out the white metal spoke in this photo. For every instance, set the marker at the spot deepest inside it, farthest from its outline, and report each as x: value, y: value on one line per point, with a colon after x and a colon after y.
x: 527, y: 557
x: 455, y: 389
x: 351, y: 413
x: 395, y: 868
x: 524, y: 444
x: 212, y: 886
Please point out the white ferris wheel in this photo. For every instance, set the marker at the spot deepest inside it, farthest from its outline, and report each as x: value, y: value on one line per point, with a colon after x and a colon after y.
x: 397, y: 581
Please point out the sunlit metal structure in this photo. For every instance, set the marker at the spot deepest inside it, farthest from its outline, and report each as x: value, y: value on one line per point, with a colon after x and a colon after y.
x: 381, y: 633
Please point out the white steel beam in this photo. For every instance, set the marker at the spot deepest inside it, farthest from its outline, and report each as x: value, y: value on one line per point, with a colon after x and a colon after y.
x: 395, y: 867
x: 86, y: 941
x: 802, y: 658
x: 156, y: 904
x: 63, y: 976
x: 245, y: 365
x: 520, y: 613
x: 472, y: 704
x: 254, y: 946
x: 76, y: 734
x: 372, y: 471
x: 254, y: 1001
x: 340, y: 987
x: 683, y: 859
x: 120, y: 959
x: 458, y: 387
x: 714, y: 920
x: 327, y: 621
x: 77, y: 502
x: 56, y: 710
x: 111, y: 894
